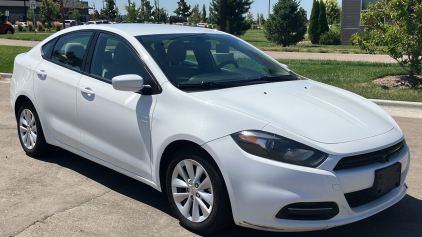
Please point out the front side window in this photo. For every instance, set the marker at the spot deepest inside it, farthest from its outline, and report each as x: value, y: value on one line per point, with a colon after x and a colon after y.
x: 70, y: 49
x: 114, y: 57
x: 211, y: 61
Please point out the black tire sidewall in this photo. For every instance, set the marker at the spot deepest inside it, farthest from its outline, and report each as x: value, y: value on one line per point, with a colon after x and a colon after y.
x: 220, y: 211
x: 40, y: 144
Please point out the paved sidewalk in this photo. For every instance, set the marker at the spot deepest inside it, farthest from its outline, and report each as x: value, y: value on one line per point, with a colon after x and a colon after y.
x: 331, y: 56
x: 11, y: 42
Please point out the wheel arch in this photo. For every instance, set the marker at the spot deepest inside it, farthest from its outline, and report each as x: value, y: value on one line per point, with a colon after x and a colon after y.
x: 170, y: 150
x: 19, y: 102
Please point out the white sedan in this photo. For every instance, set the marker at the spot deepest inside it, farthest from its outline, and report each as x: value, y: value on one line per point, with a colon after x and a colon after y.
x: 229, y: 134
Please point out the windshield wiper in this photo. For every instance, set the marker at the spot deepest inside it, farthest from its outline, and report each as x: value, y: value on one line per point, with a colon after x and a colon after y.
x: 207, y: 85
x: 267, y: 78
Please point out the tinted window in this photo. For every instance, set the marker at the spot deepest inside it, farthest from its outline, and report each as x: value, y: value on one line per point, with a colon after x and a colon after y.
x: 70, y: 49
x: 211, y: 61
x: 114, y: 57
x: 46, y: 48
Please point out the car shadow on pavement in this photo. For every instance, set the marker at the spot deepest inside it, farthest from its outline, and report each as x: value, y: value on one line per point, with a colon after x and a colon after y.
x: 402, y: 219
x: 109, y: 178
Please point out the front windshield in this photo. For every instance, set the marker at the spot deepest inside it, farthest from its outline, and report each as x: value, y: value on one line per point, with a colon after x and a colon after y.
x: 212, y: 61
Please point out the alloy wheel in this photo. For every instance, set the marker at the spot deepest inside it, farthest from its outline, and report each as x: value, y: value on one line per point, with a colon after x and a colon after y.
x: 192, y: 190
x: 28, y: 129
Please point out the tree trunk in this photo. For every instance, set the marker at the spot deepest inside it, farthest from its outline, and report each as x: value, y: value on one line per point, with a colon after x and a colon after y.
x: 411, y: 73
x: 62, y: 13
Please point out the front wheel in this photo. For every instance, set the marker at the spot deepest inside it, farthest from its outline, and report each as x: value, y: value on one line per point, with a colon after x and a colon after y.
x: 9, y: 32
x: 197, y: 193
x: 30, y: 131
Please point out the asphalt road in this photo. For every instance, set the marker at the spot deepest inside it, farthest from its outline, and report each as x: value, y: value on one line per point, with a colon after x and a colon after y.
x: 65, y: 195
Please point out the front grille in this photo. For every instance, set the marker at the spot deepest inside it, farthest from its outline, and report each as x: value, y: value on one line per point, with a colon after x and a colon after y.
x: 380, y: 156
x: 360, y: 198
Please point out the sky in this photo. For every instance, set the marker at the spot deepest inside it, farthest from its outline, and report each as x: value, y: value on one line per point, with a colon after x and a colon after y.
x: 259, y: 6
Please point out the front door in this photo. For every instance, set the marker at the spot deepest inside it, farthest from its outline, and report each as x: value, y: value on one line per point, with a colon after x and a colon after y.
x: 115, y: 125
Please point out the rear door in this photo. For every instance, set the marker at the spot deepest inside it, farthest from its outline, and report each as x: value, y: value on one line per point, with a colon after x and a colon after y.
x: 116, y: 125
x: 55, y: 83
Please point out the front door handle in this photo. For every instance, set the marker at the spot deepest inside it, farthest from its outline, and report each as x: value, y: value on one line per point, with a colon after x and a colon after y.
x: 87, y: 90
x: 41, y: 72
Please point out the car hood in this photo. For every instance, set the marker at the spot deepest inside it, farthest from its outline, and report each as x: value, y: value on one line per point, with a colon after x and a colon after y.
x: 313, y: 110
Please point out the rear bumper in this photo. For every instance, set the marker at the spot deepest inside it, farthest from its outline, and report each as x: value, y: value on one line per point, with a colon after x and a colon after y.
x: 259, y: 188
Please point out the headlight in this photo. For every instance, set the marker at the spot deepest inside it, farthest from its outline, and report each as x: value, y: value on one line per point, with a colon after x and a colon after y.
x: 278, y: 148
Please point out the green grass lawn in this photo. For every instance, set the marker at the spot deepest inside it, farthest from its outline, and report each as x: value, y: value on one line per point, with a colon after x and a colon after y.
x: 7, y: 56
x: 257, y: 39
x: 26, y: 36
x: 355, y: 77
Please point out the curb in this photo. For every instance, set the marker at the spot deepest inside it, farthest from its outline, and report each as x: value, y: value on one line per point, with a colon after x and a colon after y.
x: 6, y: 75
x: 399, y: 105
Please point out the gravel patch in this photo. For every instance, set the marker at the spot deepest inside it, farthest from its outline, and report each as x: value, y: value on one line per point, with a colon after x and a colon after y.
x: 400, y: 81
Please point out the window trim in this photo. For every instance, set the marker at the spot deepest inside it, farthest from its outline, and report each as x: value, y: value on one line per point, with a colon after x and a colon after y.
x: 87, y: 69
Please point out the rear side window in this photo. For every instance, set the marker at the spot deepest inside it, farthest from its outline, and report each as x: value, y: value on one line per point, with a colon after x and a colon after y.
x: 70, y: 49
x: 46, y: 48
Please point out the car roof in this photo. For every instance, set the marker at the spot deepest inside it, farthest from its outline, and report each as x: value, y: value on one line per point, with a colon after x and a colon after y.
x: 136, y: 29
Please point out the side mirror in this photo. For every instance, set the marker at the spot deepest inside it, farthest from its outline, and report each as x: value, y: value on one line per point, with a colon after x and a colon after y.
x: 129, y: 82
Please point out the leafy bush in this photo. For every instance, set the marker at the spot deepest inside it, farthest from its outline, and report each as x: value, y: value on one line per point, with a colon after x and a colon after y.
x: 57, y: 26
x: 19, y: 24
x: 29, y: 25
x: 39, y: 26
x: 332, y: 37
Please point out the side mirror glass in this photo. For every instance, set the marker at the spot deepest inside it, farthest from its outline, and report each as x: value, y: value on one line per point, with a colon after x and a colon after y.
x: 129, y: 82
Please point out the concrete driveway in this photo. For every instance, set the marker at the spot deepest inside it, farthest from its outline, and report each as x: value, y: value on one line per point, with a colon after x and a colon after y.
x: 65, y: 195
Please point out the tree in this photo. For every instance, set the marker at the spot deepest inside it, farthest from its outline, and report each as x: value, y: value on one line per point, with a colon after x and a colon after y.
x: 109, y: 11
x: 313, y: 30
x: 95, y: 15
x: 235, y: 15
x: 401, y: 38
x: 132, y: 12
x: 204, y: 14
x: 49, y: 11
x: 196, y: 15
x: 162, y: 12
x: 63, y: 4
x: 287, y: 24
x: 183, y: 10
x: 333, y: 10
x: 249, y: 18
x: 76, y: 15
x: 145, y: 13
x: 30, y: 14
x: 262, y: 19
x: 322, y: 19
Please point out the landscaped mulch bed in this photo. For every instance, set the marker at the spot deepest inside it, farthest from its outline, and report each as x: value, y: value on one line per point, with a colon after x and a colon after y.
x: 400, y: 81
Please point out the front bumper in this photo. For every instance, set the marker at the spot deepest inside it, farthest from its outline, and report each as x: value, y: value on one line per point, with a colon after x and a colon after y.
x: 259, y: 188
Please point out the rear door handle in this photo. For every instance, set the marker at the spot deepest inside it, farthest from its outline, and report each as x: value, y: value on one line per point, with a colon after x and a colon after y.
x: 87, y: 90
x: 41, y: 72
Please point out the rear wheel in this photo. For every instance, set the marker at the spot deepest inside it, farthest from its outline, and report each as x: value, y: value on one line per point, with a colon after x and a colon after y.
x: 30, y: 132
x: 197, y: 193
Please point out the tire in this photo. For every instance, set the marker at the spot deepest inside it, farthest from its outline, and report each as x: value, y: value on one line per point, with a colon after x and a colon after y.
x: 210, y: 198
x: 34, y: 145
x: 9, y: 32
